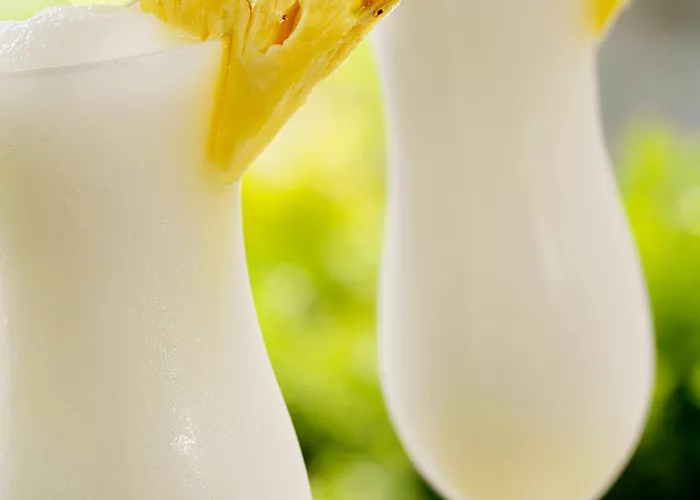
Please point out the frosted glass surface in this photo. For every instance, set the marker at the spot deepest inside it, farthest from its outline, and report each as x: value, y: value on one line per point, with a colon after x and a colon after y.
x: 61, y: 36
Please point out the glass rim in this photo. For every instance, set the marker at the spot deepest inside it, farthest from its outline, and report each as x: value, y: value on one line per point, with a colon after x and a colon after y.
x: 88, y: 66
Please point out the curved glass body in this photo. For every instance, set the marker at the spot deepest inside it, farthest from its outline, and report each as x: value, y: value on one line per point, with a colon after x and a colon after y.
x: 131, y: 361
x: 516, y: 343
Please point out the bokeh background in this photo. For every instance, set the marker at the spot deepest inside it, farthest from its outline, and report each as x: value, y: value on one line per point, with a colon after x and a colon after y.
x: 314, y: 208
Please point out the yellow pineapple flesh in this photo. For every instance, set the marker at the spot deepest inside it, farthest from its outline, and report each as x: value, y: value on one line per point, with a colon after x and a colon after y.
x: 276, y: 51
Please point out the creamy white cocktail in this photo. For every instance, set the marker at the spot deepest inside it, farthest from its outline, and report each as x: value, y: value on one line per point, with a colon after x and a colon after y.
x: 516, y: 343
x: 131, y: 361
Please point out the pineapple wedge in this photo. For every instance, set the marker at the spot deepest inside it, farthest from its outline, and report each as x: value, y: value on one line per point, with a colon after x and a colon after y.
x: 276, y: 52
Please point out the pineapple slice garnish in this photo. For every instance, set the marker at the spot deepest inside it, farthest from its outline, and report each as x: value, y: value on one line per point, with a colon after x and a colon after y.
x: 602, y: 12
x: 276, y: 51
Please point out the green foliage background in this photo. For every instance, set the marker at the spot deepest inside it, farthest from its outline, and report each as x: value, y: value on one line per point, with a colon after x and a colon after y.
x: 313, y: 217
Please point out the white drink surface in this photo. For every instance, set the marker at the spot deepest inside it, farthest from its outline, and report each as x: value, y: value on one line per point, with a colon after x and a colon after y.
x: 516, y: 343
x: 131, y: 361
